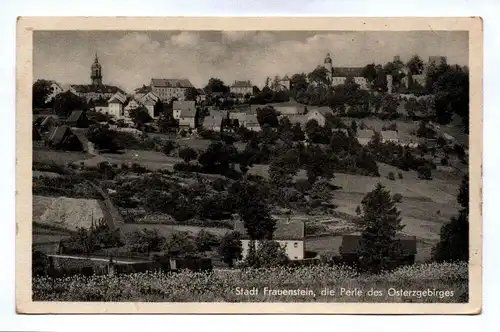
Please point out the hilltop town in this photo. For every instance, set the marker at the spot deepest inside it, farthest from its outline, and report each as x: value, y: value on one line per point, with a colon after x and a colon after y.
x: 176, y: 170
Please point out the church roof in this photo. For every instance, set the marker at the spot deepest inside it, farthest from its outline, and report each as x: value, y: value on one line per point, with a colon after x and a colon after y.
x: 91, y: 88
x: 347, y: 71
x: 241, y: 84
x: 284, y: 231
x: 171, y: 83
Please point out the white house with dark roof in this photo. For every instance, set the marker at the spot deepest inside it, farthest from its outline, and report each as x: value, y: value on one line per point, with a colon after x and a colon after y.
x: 116, y: 106
x: 290, y: 235
x: 319, y: 114
x: 185, y: 113
x: 241, y: 88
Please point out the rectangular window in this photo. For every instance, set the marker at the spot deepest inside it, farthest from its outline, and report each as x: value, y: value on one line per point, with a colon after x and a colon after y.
x: 295, y: 245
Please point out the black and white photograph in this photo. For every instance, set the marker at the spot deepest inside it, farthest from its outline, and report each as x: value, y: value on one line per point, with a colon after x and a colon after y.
x: 251, y: 166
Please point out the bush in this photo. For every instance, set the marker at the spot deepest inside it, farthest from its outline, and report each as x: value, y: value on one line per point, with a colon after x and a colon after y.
x: 391, y: 176
x: 400, y: 175
x: 397, y: 198
x: 424, y: 172
x: 184, y: 167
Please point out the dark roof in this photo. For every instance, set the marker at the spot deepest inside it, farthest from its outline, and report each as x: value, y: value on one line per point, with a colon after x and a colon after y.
x: 365, y: 133
x: 88, y: 88
x: 350, y: 244
x: 74, y: 116
x: 171, y: 83
x: 81, y: 133
x: 187, y: 107
x: 241, y: 84
x: 58, y: 134
x: 347, y: 71
x: 284, y: 231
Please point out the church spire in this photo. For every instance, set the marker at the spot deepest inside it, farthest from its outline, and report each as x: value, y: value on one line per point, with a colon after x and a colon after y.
x: 96, y: 72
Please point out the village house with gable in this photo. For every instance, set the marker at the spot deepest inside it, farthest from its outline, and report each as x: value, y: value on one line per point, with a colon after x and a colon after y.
x: 185, y: 113
x: 290, y: 235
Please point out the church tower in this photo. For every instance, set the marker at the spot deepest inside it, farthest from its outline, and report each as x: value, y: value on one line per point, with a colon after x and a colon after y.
x: 328, y: 66
x: 95, y: 72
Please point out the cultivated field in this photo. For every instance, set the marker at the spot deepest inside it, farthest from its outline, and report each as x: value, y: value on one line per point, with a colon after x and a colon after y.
x: 61, y: 158
x: 221, y: 285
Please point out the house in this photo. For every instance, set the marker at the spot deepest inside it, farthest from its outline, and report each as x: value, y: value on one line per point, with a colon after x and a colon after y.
x: 250, y: 122
x: 185, y: 113
x: 389, y: 136
x: 341, y: 130
x: 168, y: 88
x: 56, y: 89
x: 241, y: 88
x: 132, y: 105
x: 116, y: 106
x: 78, y: 119
x: 281, y: 84
x: 45, y: 123
x: 298, y: 118
x: 62, y: 138
x: 349, y: 249
x: 319, y: 114
x: 289, y: 109
x: 150, y: 101
x: 290, y: 235
x: 179, y: 106
x: 201, y: 96
x: 213, y: 121
x: 364, y: 136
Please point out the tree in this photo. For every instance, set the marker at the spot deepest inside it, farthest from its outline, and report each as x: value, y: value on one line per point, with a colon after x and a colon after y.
x: 378, y: 248
x: 249, y: 200
x: 103, y: 138
x: 180, y: 244
x: 140, y: 116
x: 318, y: 164
x: 319, y: 76
x: 424, y: 172
x: 216, y: 85
x: 168, y: 147
x: 188, y: 154
x: 218, y: 157
x: 354, y: 126
x: 267, y: 254
x: 230, y: 248
x: 66, y: 102
x: 451, y: 90
x: 283, y: 167
x: 454, y: 236
x: 369, y: 72
x: 415, y: 65
x: 166, y: 122
x: 267, y: 115
x: 41, y: 91
x: 204, y: 241
x: 191, y: 94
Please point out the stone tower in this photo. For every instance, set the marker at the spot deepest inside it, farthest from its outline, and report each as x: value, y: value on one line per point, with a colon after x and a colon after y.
x: 328, y: 66
x: 96, y: 72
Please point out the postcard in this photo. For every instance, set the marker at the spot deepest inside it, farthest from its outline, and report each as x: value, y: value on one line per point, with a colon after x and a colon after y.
x: 321, y: 165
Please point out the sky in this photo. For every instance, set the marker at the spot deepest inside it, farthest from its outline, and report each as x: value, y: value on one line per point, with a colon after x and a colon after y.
x: 130, y: 59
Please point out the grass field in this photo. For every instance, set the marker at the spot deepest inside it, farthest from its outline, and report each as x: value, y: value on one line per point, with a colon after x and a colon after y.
x: 61, y: 158
x: 150, y: 159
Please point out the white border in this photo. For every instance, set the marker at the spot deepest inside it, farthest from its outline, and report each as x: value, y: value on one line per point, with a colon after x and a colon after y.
x: 487, y: 9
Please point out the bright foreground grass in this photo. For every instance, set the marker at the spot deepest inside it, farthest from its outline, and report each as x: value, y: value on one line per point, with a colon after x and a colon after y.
x: 423, y: 283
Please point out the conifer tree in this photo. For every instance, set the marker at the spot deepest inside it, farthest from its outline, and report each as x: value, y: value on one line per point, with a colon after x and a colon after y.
x: 454, y: 237
x: 378, y: 248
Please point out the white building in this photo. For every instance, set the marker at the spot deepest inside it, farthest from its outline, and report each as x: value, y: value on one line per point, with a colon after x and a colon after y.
x: 389, y: 136
x: 241, y: 88
x: 116, y: 106
x: 290, y: 235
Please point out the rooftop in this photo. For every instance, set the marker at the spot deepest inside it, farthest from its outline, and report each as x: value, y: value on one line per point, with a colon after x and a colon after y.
x: 171, y: 83
x: 241, y: 84
x: 89, y: 88
x: 365, y: 133
x: 293, y: 230
x: 347, y: 71
x: 389, y: 134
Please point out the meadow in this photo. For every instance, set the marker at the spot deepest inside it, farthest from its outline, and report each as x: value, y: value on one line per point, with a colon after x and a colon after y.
x: 427, y: 283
